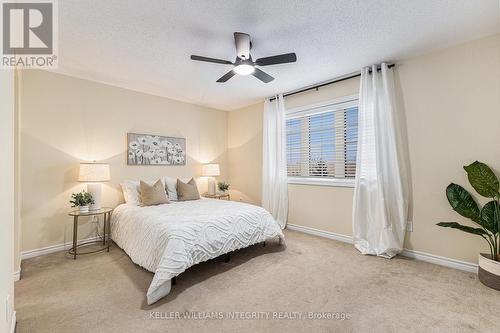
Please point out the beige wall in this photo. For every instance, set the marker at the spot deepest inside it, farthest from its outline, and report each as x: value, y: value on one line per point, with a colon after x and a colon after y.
x: 65, y: 120
x: 7, y: 204
x: 245, y: 153
x: 17, y: 175
x: 452, y: 106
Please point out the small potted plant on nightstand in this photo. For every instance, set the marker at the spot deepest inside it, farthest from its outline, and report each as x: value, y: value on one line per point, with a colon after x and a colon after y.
x: 223, y: 187
x: 82, y: 200
x: 484, y: 181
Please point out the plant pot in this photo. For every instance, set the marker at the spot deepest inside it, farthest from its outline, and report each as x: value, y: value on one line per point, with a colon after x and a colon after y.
x: 83, y: 209
x: 489, y: 271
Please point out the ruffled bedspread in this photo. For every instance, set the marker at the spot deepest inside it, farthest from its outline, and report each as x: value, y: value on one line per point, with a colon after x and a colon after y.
x: 167, y: 239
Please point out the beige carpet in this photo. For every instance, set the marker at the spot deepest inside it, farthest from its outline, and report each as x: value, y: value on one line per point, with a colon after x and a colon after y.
x: 106, y: 293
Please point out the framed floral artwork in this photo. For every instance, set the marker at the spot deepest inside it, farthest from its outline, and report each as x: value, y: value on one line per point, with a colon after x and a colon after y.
x: 146, y: 149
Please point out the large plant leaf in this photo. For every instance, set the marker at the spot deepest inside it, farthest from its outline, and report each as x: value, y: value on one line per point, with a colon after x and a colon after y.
x: 462, y: 202
x: 470, y: 230
x: 482, y: 179
x: 489, y: 216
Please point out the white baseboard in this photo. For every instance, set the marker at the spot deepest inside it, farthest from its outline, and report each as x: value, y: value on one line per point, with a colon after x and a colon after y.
x: 17, y: 275
x: 321, y: 233
x: 418, y: 255
x: 443, y: 261
x: 53, y: 248
x: 13, y: 322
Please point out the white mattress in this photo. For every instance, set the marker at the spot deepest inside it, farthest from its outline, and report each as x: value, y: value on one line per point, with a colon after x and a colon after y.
x: 167, y: 239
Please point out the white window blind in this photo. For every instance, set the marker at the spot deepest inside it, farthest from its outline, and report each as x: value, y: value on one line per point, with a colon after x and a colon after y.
x: 322, y: 140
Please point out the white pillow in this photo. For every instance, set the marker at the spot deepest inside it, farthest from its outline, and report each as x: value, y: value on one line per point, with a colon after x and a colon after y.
x: 171, y: 186
x: 131, y: 192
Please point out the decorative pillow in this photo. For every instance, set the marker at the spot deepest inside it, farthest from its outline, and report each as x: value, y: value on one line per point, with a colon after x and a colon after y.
x: 153, y: 195
x: 187, y: 191
x: 131, y: 191
x: 171, y: 187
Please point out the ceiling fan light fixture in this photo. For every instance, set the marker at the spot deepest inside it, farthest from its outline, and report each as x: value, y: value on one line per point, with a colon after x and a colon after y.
x: 244, y: 65
x: 244, y: 69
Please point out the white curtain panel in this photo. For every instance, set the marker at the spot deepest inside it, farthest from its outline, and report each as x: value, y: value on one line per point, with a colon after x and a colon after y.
x: 381, y: 193
x: 274, y: 174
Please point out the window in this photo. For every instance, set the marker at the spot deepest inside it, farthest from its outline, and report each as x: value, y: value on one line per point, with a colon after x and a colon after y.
x: 321, y: 142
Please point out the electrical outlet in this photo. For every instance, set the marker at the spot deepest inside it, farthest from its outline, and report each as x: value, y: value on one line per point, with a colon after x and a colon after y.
x: 409, y: 226
x: 95, y: 219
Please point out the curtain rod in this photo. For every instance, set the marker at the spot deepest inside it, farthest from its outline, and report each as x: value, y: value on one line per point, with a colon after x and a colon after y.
x: 319, y: 85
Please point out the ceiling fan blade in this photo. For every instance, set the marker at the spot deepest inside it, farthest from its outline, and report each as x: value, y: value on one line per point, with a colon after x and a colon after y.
x: 277, y: 59
x: 227, y: 76
x: 263, y: 76
x: 206, y: 59
x: 242, y: 42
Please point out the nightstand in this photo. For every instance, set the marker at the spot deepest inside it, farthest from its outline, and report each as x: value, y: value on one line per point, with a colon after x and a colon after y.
x: 106, y: 213
x: 220, y: 196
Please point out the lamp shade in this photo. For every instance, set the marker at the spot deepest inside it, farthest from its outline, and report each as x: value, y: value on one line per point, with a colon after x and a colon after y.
x: 210, y: 170
x: 94, y: 172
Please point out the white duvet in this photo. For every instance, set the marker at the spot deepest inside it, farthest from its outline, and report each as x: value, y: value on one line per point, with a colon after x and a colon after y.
x: 167, y: 239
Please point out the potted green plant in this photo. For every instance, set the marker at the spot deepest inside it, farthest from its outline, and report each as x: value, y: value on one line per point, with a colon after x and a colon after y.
x: 82, y: 200
x: 223, y: 186
x: 485, y: 182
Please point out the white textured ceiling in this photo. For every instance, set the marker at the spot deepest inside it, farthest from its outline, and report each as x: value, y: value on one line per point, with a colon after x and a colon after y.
x: 145, y: 45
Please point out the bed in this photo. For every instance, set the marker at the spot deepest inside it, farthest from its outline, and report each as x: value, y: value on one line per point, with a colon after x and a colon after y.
x: 167, y: 239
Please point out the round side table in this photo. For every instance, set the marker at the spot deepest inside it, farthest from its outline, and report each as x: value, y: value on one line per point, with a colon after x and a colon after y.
x: 106, y: 212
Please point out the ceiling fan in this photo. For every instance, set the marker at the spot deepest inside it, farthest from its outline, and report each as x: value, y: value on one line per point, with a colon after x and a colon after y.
x: 244, y: 65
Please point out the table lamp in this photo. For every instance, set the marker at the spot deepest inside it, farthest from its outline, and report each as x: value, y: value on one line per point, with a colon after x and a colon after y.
x: 93, y: 174
x: 211, y: 171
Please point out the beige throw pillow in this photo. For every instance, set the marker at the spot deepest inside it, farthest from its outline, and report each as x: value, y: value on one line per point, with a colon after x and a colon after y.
x: 187, y: 191
x: 153, y: 195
